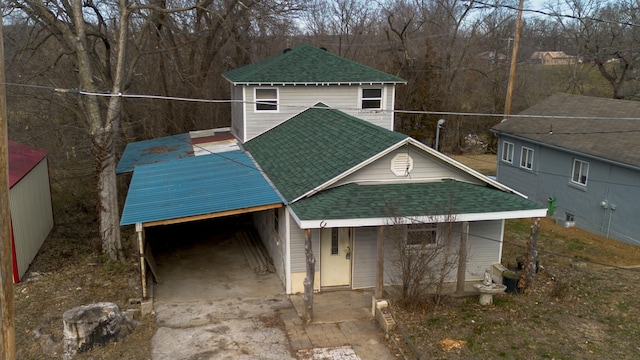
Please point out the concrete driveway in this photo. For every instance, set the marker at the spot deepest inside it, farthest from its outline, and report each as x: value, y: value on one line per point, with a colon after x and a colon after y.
x: 209, y: 304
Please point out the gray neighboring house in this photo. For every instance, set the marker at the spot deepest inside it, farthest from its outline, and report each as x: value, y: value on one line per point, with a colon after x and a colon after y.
x: 586, y: 169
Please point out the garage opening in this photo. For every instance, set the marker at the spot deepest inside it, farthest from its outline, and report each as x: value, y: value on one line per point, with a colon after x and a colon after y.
x: 211, y: 259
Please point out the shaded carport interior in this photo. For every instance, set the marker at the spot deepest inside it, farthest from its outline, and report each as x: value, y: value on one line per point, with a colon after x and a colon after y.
x: 183, y: 200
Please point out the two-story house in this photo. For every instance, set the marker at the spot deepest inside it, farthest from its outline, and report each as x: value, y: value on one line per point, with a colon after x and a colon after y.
x: 317, y: 129
x: 581, y: 156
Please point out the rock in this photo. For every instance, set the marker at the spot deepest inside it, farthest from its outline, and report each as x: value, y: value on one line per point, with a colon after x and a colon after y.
x: 94, y: 325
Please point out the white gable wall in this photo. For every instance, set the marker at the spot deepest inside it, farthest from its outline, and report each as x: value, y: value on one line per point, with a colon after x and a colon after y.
x: 295, y: 99
x: 424, y: 168
x: 31, y: 214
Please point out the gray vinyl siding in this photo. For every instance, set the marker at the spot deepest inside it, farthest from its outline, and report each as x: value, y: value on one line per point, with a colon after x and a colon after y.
x: 365, y: 255
x: 424, y: 167
x: 298, y: 257
x: 483, y: 247
x: 237, y: 111
x: 483, y: 250
x: 551, y: 177
x: 295, y: 99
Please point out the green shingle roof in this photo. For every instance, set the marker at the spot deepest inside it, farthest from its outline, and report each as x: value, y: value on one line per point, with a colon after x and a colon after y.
x: 315, y: 146
x: 447, y: 197
x: 308, y: 64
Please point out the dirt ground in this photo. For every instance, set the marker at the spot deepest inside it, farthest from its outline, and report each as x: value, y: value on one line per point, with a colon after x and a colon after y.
x: 578, y: 308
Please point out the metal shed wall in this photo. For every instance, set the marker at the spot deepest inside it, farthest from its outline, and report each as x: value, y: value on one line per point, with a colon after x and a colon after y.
x: 31, y: 214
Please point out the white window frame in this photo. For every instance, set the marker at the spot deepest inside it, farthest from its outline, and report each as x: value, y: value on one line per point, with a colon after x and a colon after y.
x: 507, y: 152
x: 419, y: 230
x: 582, y: 175
x: 362, y: 99
x: 259, y: 102
x: 523, y: 159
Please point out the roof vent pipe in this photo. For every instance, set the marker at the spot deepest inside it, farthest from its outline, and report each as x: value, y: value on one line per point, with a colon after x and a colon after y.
x: 440, y: 123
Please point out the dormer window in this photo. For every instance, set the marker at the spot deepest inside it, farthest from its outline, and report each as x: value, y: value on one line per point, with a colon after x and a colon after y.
x: 266, y: 100
x: 371, y: 99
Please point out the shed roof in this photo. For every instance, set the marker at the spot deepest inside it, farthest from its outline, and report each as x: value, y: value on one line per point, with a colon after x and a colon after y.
x: 22, y: 158
x: 308, y: 64
x: 609, y: 129
x: 196, y: 187
x: 377, y: 203
x: 316, y: 146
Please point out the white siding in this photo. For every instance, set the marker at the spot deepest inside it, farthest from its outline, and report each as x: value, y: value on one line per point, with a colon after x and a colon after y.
x: 365, y: 257
x: 424, y: 167
x: 237, y: 111
x: 31, y: 214
x: 295, y: 99
x: 272, y: 239
x: 484, y: 247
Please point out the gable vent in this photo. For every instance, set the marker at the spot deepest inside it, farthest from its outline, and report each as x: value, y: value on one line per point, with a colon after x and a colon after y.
x: 402, y: 164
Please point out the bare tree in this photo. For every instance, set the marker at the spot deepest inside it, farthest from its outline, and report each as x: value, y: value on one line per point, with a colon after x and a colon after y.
x: 423, y: 257
x: 606, y: 33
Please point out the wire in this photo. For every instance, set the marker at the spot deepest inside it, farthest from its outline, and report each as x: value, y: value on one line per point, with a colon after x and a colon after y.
x: 304, y: 107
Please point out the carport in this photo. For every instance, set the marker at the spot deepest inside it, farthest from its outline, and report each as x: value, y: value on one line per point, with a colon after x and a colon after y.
x: 171, y: 185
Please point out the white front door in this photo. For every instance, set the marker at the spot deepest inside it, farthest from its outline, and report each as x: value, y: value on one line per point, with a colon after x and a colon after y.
x: 335, y: 257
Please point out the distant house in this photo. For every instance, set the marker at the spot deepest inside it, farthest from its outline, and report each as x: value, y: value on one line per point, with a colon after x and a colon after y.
x: 316, y: 155
x: 581, y: 156
x: 30, y: 203
x: 552, y: 58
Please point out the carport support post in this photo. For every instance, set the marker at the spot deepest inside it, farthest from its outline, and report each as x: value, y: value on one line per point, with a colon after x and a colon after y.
x: 309, y: 279
x: 462, y: 258
x: 143, y: 270
x: 380, y: 264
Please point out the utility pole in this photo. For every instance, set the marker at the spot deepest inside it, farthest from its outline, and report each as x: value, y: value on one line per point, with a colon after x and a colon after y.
x: 514, y: 60
x: 8, y: 337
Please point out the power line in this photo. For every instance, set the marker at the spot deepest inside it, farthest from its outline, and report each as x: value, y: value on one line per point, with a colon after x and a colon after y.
x: 304, y: 107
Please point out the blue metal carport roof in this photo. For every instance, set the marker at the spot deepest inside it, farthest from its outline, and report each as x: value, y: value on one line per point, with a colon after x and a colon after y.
x: 153, y: 151
x: 197, y: 187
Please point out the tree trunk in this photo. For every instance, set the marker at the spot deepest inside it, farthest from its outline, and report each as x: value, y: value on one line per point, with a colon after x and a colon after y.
x: 310, y: 278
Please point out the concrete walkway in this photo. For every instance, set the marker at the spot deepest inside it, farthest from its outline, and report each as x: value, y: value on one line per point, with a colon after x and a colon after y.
x: 341, y: 319
x: 210, y: 305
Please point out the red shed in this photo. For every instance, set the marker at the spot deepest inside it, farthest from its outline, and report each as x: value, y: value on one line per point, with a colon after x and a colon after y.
x: 30, y: 203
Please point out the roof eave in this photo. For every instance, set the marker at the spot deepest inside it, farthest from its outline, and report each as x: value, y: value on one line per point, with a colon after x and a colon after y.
x: 467, y: 169
x: 567, y: 150
x: 352, y: 170
x: 385, y: 221
x: 314, y: 83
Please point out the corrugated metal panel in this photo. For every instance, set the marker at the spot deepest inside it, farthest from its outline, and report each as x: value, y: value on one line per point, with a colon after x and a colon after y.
x: 153, y: 151
x: 22, y: 158
x: 195, y: 186
x: 31, y: 214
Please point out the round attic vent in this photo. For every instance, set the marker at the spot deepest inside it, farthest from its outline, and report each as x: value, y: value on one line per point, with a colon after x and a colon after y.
x: 402, y: 164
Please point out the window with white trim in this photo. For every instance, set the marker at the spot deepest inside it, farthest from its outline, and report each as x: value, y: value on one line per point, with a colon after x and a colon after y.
x: 422, y: 235
x: 507, y: 152
x: 526, y: 158
x: 580, y: 172
x: 266, y: 99
x: 371, y: 99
